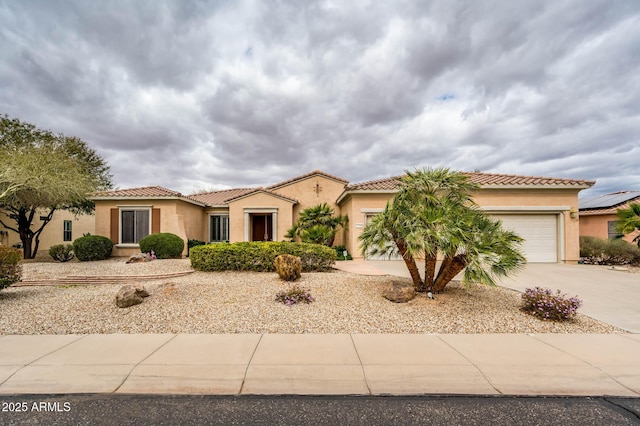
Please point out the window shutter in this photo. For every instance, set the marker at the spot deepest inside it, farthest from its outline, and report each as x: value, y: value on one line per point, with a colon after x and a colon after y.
x: 114, y: 226
x: 155, y: 221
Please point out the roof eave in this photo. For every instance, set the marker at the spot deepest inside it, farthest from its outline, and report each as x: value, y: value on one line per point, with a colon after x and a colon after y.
x: 139, y: 198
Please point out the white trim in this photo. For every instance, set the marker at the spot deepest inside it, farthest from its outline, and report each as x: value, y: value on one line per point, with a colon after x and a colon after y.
x: 274, y: 220
x: 372, y: 210
x: 127, y: 245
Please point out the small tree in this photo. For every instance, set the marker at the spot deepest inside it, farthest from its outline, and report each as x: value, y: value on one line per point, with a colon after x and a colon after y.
x: 44, y: 172
x: 629, y: 221
x: 434, y: 216
x: 317, y: 225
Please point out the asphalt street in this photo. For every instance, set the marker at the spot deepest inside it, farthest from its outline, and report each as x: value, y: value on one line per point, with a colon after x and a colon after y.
x: 101, y: 409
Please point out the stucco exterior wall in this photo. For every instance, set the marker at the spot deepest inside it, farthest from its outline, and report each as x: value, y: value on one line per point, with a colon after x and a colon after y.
x: 195, y: 221
x: 313, y: 191
x: 357, y: 207
x: 53, y: 231
x: 597, y: 226
x: 556, y: 201
x: 260, y: 200
x: 172, y: 220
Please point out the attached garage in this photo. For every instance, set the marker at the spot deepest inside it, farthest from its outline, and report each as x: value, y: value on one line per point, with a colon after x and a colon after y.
x: 540, y: 233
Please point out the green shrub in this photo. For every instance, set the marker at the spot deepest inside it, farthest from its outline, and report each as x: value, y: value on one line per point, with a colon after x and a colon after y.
x: 259, y: 256
x: 193, y: 243
x: 288, y: 267
x: 92, y: 247
x: 10, y: 266
x: 597, y: 251
x: 621, y: 252
x: 61, y: 252
x: 340, y: 253
x: 165, y: 245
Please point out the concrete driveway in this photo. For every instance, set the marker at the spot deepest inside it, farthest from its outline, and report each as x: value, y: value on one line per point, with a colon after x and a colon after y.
x: 610, y: 296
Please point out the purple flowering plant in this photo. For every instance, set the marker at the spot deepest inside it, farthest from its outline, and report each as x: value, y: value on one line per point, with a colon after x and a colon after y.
x: 294, y: 295
x: 546, y: 305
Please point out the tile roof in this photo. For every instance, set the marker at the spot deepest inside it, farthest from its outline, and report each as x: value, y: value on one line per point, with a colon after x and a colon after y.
x: 142, y: 192
x: 608, y: 203
x: 305, y: 176
x: 219, y: 198
x: 482, y: 179
x: 264, y: 190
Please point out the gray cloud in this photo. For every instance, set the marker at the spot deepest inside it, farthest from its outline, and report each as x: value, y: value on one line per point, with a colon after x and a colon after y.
x: 204, y: 94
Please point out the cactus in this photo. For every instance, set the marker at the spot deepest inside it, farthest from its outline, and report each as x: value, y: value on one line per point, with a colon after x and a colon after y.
x: 288, y: 267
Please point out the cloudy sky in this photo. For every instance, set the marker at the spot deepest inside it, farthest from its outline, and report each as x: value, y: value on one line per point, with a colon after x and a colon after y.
x: 195, y: 95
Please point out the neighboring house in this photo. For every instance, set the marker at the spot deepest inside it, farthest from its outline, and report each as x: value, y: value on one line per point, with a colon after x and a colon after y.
x: 539, y: 209
x: 63, y: 228
x: 598, y: 214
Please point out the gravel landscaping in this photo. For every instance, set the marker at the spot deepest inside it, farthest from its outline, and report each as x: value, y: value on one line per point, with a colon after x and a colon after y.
x: 244, y: 302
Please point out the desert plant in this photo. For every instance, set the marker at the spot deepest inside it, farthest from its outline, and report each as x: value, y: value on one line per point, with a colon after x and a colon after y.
x: 546, y: 305
x: 433, y: 216
x: 62, y: 252
x: 165, y: 245
x: 294, y: 295
x: 259, y: 256
x: 597, y: 251
x: 317, y: 225
x: 92, y: 247
x: 10, y: 266
x: 629, y: 220
x: 288, y: 267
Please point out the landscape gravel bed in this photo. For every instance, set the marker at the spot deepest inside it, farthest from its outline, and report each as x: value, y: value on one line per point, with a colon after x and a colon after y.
x: 244, y: 302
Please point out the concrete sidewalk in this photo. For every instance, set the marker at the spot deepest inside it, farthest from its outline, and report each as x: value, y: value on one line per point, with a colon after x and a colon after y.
x: 360, y: 364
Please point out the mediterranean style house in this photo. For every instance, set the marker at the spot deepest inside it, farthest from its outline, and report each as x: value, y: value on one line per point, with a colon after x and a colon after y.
x: 544, y: 211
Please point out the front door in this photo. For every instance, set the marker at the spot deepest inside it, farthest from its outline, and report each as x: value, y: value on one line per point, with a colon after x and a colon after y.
x: 261, y: 227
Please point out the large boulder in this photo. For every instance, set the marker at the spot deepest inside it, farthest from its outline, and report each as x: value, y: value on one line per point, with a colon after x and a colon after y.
x: 130, y: 295
x: 399, y: 292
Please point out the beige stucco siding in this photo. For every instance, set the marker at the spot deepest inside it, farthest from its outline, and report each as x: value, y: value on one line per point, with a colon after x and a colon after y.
x: 357, y: 207
x: 172, y: 219
x: 259, y: 202
x: 598, y: 226
x: 540, y: 201
x: 53, y: 231
x: 313, y: 191
x: 194, y: 219
x: 521, y: 201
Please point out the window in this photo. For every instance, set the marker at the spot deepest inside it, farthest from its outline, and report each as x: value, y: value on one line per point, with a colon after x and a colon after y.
x: 134, y: 225
x: 219, y: 228
x: 66, y: 231
x: 612, y: 232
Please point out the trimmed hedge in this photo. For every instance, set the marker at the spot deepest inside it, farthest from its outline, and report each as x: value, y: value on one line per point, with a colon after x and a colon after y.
x: 92, y: 247
x: 259, y: 256
x: 164, y: 245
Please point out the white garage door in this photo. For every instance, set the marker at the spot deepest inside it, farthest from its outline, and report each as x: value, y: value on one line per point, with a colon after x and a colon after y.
x: 540, y: 233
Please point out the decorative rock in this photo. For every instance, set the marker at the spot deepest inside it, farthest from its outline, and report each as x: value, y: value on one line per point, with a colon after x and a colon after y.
x: 139, y: 258
x: 130, y: 295
x: 399, y: 292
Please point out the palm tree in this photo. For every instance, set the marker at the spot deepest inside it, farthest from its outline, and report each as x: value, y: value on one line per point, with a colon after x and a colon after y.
x: 629, y: 220
x: 434, y: 216
x: 317, y: 225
